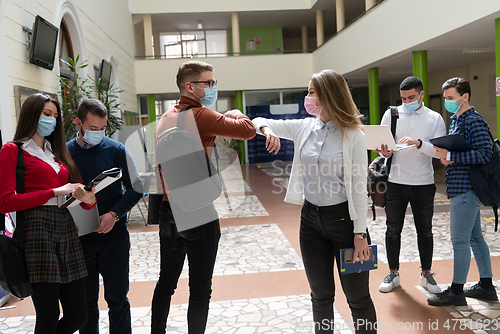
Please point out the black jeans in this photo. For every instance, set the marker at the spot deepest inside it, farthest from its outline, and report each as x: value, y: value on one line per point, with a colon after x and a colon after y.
x: 323, y: 232
x: 200, y: 245
x: 421, y: 199
x: 46, y: 298
x: 108, y: 255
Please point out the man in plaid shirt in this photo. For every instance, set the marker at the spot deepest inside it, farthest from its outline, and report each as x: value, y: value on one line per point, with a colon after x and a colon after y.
x: 465, y: 219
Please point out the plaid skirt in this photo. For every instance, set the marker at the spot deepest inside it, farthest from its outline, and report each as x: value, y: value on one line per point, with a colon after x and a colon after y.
x: 52, y: 247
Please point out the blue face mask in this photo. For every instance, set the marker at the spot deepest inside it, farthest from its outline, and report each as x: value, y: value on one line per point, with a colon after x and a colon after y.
x: 46, y: 125
x: 452, y: 106
x: 210, y: 96
x: 412, y: 106
x: 93, y: 137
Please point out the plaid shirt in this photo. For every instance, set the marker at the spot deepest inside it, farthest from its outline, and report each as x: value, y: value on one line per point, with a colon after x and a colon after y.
x: 477, y: 134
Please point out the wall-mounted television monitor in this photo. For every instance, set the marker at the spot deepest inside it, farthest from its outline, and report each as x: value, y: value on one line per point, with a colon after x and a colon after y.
x: 105, y: 74
x: 43, y: 43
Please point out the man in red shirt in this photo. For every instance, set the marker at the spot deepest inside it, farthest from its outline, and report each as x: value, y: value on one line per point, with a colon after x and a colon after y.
x: 197, y: 87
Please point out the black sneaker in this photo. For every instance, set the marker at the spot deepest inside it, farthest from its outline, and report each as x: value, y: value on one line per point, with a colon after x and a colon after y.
x: 476, y: 291
x: 447, y: 298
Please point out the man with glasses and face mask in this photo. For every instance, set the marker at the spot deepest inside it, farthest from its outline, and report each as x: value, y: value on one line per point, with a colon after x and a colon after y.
x: 106, y: 250
x: 411, y: 180
x: 197, y: 88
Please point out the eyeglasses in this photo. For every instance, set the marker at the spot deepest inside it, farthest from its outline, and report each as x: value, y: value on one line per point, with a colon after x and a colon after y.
x: 210, y: 83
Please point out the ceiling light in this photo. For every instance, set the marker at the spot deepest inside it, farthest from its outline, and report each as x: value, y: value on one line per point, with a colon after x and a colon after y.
x: 200, y: 25
x: 478, y: 50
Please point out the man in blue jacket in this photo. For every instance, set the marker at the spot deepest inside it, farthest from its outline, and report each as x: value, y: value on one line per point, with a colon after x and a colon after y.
x: 107, y: 249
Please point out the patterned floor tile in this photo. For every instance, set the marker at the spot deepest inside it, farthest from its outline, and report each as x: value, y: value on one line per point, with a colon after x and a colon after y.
x: 242, y: 250
x: 277, y: 315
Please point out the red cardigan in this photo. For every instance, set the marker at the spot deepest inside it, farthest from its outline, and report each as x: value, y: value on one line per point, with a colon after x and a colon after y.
x: 39, y: 180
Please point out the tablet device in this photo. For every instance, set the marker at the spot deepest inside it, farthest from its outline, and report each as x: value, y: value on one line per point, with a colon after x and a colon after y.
x: 348, y: 267
x: 376, y: 135
x: 112, y: 173
x: 454, y: 143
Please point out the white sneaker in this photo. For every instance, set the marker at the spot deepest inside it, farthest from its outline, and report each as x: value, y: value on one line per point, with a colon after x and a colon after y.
x: 427, y: 282
x: 390, y: 282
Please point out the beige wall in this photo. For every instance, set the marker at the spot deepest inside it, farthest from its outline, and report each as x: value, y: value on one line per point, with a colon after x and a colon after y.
x: 101, y: 35
x: 201, y: 6
x: 232, y: 73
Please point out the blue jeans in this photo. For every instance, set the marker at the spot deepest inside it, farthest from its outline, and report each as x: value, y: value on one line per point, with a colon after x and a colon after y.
x: 108, y: 255
x: 200, y: 244
x: 465, y: 229
x: 323, y: 232
x: 421, y: 199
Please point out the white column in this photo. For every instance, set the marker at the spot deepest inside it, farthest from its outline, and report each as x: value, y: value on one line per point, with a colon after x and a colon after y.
x: 320, y: 34
x: 148, y: 35
x: 369, y: 4
x: 340, y: 15
x: 235, y: 26
x: 304, y: 39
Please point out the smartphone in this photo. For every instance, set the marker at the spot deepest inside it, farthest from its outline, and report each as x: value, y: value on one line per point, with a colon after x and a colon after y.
x: 348, y: 256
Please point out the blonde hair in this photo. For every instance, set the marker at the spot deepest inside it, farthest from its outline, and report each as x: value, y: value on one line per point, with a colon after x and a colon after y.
x: 336, y: 100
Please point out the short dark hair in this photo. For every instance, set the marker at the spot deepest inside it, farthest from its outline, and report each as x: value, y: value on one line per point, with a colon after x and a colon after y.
x: 93, y: 106
x: 191, y: 70
x: 412, y: 82
x: 461, y: 85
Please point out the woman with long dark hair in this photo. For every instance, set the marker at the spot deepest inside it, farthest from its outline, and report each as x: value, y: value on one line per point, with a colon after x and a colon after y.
x: 328, y: 178
x: 54, y: 256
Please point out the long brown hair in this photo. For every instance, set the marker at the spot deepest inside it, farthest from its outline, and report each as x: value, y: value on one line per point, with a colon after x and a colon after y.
x: 28, y: 123
x: 336, y: 100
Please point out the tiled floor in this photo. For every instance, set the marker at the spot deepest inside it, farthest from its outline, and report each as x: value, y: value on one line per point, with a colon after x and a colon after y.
x: 259, y: 280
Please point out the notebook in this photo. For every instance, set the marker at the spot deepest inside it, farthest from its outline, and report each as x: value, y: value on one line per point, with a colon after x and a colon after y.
x: 348, y: 267
x: 376, y: 135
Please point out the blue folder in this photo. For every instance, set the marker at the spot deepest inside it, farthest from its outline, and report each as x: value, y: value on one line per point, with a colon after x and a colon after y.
x: 347, y: 267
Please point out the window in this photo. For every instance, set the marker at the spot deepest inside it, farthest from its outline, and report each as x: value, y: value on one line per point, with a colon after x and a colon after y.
x: 193, y: 44
x: 66, y: 47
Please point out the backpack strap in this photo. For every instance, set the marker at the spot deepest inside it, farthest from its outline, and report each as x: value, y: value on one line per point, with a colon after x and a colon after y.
x: 20, y: 169
x: 394, y: 121
x: 180, y: 126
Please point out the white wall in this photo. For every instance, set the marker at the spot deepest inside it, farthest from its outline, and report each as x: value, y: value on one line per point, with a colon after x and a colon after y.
x: 107, y: 32
x: 232, y: 73
x: 362, y: 44
x: 201, y: 6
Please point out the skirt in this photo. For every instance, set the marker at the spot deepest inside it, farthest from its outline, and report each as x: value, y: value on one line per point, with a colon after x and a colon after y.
x: 52, y: 246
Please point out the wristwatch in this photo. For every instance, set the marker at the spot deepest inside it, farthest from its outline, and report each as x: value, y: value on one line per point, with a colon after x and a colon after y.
x: 360, y: 235
x: 115, y: 216
x: 420, y: 145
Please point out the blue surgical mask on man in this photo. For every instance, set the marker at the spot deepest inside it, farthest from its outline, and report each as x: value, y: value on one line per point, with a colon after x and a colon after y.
x: 210, y: 97
x: 93, y: 137
x: 452, y: 105
x: 411, y: 106
x: 46, y: 125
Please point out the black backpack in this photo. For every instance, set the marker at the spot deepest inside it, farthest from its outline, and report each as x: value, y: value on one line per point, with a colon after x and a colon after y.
x: 485, y: 179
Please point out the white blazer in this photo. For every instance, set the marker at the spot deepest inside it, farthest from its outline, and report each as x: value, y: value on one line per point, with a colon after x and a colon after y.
x: 355, y: 162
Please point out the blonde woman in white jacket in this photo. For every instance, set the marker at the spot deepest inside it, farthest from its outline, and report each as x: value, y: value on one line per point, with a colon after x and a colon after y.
x: 328, y: 178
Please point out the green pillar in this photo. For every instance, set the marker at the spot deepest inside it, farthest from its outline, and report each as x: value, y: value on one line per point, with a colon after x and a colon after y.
x: 152, y: 117
x: 497, y: 57
x: 239, y: 105
x: 420, y: 71
x: 374, y: 99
